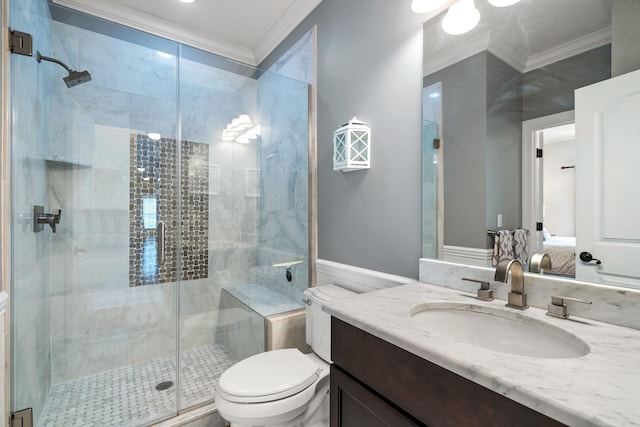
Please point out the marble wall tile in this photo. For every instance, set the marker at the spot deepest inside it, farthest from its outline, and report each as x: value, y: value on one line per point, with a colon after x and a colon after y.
x: 284, y: 108
x: 283, y: 216
x: 92, y: 306
x: 239, y: 328
x: 618, y: 306
x: 115, y: 64
x: 298, y: 62
x: 112, y: 349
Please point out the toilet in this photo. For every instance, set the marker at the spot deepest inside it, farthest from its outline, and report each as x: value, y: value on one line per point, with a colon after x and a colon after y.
x: 283, y: 388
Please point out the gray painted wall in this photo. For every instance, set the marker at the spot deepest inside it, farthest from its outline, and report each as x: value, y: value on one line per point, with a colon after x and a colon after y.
x: 504, y: 146
x: 549, y: 89
x: 369, y: 65
x: 625, y: 34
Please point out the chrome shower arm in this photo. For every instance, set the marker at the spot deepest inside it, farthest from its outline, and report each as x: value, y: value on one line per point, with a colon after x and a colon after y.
x: 54, y: 60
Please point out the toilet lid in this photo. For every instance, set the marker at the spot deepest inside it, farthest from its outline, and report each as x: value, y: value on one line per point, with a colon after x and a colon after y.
x: 268, y: 376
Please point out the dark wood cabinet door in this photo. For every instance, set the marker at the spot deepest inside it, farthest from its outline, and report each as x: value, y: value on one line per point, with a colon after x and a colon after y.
x: 354, y: 405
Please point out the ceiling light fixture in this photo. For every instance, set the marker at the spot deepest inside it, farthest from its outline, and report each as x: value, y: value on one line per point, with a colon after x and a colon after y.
x: 187, y: 1
x: 424, y: 6
x: 502, y: 3
x: 461, y: 18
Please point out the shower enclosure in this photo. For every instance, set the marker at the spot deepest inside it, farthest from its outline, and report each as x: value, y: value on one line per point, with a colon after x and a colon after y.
x: 181, y: 178
x: 432, y: 173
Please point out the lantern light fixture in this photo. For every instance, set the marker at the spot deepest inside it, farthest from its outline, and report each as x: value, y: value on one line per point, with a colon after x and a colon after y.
x: 352, y: 146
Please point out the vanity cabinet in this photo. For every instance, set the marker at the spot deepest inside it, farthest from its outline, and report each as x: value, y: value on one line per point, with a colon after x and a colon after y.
x: 375, y: 383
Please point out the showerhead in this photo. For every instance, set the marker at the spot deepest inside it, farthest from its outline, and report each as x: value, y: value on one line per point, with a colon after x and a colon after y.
x: 74, y: 78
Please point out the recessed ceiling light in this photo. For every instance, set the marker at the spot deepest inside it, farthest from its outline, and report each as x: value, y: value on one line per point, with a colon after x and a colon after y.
x: 187, y: 1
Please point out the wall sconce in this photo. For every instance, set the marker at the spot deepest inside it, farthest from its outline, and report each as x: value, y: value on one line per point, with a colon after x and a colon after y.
x: 352, y: 146
x: 241, y: 130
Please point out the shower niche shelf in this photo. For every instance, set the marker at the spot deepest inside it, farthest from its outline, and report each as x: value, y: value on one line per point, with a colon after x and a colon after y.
x: 62, y: 162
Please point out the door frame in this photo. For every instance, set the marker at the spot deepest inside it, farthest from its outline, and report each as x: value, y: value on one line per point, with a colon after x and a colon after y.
x: 532, y: 173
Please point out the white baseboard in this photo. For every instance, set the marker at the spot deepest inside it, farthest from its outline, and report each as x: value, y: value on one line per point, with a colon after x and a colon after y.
x: 469, y: 256
x: 355, y: 278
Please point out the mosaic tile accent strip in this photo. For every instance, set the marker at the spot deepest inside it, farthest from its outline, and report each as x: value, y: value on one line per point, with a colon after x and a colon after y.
x: 195, y: 210
x: 128, y: 396
x: 153, y: 193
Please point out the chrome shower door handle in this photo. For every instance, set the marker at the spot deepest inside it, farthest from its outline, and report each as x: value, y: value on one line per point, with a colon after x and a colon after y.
x: 161, y: 246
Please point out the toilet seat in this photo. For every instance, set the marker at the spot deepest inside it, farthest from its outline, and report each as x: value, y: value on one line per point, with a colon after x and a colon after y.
x: 270, y: 376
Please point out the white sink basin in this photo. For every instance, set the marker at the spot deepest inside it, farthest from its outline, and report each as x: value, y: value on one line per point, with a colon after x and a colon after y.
x: 498, y: 329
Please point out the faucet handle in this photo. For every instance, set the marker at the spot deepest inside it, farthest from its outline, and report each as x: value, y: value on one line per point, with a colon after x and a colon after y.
x: 558, y: 308
x: 484, y: 293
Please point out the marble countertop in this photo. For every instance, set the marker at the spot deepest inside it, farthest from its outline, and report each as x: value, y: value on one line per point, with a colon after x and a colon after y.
x: 599, y: 389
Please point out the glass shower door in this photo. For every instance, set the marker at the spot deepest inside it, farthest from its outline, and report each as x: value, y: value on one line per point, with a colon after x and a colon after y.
x: 244, y: 175
x: 175, y: 243
x: 94, y: 336
x: 430, y: 166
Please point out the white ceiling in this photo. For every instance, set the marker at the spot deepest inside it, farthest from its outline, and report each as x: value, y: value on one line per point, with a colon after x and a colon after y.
x: 527, y: 35
x: 530, y: 34
x: 244, y: 30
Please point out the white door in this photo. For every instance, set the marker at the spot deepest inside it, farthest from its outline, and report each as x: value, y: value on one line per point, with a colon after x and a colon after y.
x: 608, y: 181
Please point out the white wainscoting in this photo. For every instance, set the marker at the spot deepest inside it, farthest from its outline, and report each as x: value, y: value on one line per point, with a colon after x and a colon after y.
x: 469, y: 256
x: 356, y: 279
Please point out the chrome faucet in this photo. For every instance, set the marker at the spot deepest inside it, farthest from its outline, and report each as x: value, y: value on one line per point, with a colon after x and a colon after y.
x: 517, y: 298
x: 539, y: 261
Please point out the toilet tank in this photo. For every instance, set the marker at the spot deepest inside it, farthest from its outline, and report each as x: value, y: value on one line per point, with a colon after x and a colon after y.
x: 318, y: 329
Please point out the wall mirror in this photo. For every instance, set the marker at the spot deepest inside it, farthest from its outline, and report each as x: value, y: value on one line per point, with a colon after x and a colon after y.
x: 509, y: 90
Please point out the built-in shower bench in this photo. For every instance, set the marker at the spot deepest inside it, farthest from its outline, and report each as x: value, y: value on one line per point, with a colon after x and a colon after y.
x: 256, y: 318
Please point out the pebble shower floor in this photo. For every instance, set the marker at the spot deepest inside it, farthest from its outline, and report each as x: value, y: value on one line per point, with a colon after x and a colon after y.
x: 128, y: 396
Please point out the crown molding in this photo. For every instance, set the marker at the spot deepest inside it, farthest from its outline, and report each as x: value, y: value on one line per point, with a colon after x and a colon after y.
x: 506, y: 52
x: 567, y: 50
x: 513, y: 56
x: 160, y: 27
x: 452, y: 56
x: 292, y: 17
